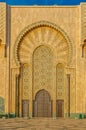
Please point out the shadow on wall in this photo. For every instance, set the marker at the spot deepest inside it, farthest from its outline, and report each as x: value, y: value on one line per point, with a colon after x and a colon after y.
x: 2, y: 105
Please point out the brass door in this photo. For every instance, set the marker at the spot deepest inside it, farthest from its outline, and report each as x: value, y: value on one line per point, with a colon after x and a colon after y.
x: 42, y: 104
x: 60, y: 108
x: 25, y: 108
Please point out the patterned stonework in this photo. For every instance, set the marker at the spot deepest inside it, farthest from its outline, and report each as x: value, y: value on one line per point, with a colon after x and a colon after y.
x: 43, y: 68
x: 60, y: 81
x: 83, y: 22
x: 26, y: 81
x: 42, y: 33
x: 3, y: 22
x: 40, y: 41
x: 42, y: 45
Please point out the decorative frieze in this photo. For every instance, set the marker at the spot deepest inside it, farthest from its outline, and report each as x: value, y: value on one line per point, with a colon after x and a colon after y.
x: 83, y: 22
x: 60, y: 81
x: 26, y: 81
x: 3, y: 22
x: 42, y: 33
x: 43, y: 68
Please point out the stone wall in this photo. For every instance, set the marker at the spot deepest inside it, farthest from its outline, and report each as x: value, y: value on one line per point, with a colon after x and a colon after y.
x: 81, y: 63
x: 3, y: 60
x: 67, y: 18
x: 3, y: 22
x: 70, y: 19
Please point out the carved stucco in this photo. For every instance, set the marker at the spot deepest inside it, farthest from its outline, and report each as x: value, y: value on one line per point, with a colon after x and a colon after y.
x: 43, y: 69
x: 26, y: 81
x: 60, y: 81
x: 46, y: 35
x: 83, y: 22
x: 44, y: 27
x: 3, y: 22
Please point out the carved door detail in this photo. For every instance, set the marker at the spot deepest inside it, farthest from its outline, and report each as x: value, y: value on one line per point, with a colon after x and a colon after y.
x: 60, y: 108
x: 42, y: 104
x: 25, y: 108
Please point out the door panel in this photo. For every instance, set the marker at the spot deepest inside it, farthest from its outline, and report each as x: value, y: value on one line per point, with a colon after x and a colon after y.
x: 25, y: 108
x: 60, y: 108
x: 43, y: 104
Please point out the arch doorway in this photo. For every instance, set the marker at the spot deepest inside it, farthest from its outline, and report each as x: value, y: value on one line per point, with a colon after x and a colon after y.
x: 42, y: 104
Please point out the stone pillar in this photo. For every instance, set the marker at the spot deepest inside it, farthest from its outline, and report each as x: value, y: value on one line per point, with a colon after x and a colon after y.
x: 26, y: 91
x: 30, y: 94
x: 30, y: 108
x: 68, y: 93
x: 17, y: 96
x: 20, y: 92
x: 54, y: 108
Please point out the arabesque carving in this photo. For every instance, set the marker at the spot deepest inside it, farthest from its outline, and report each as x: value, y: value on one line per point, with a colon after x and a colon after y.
x: 40, y: 33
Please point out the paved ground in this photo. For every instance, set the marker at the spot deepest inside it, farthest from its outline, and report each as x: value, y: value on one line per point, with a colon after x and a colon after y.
x: 42, y: 124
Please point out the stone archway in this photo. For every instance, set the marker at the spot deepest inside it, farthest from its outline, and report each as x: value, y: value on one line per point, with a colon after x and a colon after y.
x: 42, y: 33
x: 42, y: 104
x: 49, y: 37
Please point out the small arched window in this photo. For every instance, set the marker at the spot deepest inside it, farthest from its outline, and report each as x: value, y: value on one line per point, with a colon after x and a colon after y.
x: 84, y: 49
x: 0, y: 41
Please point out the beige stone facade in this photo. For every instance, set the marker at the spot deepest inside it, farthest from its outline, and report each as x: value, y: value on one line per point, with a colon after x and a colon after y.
x: 43, y: 51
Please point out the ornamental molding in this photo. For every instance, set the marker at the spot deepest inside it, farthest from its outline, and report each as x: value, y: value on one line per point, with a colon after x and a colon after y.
x: 36, y: 25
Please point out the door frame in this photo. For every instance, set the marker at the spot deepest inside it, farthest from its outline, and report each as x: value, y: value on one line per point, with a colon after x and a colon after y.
x: 35, y: 103
x: 62, y: 101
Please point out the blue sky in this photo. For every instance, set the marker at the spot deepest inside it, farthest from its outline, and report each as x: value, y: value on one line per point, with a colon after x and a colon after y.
x: 43, y: 2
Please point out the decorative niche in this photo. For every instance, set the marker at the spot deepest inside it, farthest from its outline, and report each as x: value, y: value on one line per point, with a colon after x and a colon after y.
x: 0, y: 41
x: 84, y: 49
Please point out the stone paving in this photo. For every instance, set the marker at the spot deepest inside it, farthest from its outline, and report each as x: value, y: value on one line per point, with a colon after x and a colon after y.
x: 42, y: 124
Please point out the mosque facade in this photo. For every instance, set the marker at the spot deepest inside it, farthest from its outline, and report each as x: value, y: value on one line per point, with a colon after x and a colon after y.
x: 43, y: 60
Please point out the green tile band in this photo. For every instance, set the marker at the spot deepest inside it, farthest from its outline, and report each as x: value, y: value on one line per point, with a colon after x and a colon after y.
x: 2, y: 106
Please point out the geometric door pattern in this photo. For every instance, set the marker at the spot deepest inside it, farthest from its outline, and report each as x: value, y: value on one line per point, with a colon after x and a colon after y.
x: 42, y: 104
x: 25, y: 108
x: 60, y: 108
